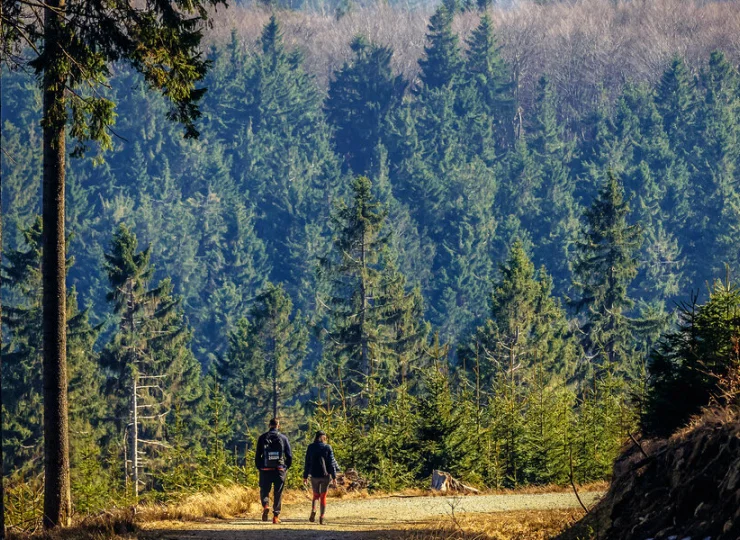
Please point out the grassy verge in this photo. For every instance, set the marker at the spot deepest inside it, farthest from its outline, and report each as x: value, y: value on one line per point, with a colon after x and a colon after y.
x: 519, y: 525
x: 115, y: 525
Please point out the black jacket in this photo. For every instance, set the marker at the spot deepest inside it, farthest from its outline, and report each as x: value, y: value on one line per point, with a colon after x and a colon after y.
x: 258, y: 455
x: 320, y: 461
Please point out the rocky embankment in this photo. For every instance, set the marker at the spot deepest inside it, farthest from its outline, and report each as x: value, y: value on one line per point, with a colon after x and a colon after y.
x: 684, y: 487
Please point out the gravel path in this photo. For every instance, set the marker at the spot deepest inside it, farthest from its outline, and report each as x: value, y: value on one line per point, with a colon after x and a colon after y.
x: 365, y: 518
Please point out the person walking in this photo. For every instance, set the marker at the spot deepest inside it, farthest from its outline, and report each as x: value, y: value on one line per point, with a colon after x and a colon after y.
x: 273, y: 457
x: 322, y: 468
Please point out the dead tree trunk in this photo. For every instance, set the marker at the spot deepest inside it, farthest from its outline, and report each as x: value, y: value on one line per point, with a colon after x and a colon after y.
x: 135, y: 433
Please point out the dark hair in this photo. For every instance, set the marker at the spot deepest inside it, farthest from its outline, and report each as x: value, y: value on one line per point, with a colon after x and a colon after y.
x: 274, y: 422
x: 318, y: 436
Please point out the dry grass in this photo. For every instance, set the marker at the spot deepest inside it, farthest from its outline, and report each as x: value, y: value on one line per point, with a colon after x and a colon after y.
x: 533, y: 490
x: 117, y: 524
x: 524, y: 490
x: 220, y: 503
x: 520, y: 525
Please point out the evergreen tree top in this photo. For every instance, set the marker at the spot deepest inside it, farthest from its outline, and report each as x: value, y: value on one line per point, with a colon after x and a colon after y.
x: 364, y: 216
x: 442, y: 59
x: 484, y: 57
x: 271, y: 39
x: 125, y: 265
x: 607, y: 249
x: 160, y: 39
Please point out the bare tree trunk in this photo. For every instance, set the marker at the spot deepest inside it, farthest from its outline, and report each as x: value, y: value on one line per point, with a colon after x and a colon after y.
x: 131, y: 322
x: 275, y: 374
x: 57, y: 497
x: 135, y: 434
x: 366, y: 366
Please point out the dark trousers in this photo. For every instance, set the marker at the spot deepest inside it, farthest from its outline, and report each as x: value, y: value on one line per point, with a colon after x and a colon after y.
x: 268, y: 479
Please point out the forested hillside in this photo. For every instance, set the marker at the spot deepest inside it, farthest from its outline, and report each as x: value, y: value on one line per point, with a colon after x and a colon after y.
x: 454, y: 235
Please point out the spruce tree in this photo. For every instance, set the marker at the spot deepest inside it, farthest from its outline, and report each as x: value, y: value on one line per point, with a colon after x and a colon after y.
x: 555, y: 234
x: 717, y: 165
x: 22, y: 363
x: 690, y: 362
x: 515, y: 357
x: 605, y: 266
x: 490, y: 76
x: 362, y: 95
x: 374, y: 333
x: 283, y: 159
x: 148, y: 363
x: 520, y: 193
x: 677, y: 101
x: 71, y: 48
x: 450, y: 191
x: 402, y: 312
x: 525, y: 320
x: 442, y: 61
x: 261, y: 371
x: 352, y: 275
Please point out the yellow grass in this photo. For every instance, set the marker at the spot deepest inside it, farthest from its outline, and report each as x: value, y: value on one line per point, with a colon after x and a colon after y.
x: 519, y: 525
x: 113, y: 525
x: 221, y: 503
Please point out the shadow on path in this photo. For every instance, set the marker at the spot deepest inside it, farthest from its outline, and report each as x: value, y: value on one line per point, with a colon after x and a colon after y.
x: 280, y: 532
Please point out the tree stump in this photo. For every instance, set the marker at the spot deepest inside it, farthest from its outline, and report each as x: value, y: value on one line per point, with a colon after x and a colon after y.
x: 444, y: 482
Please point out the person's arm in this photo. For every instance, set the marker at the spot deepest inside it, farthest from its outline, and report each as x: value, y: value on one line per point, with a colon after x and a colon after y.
x: 332, y: 464
x: 307, y: 463
x: 258, y: 453
x: 337, y: 468
x: 288, y: 453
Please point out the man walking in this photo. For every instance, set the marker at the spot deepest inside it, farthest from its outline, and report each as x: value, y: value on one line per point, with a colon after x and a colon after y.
x: 322, y: 467
x: 273, y: 458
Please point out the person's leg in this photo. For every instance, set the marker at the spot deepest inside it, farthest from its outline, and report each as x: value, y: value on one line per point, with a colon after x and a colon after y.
x: 315, y: 499
x: 316, y: 489
x: 323, y: 489
x: 277, y: 503
x: 265, y: 486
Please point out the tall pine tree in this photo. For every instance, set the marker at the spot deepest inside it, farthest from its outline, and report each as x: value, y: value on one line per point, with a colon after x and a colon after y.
x: 362, y: 95
x: 605, y: 266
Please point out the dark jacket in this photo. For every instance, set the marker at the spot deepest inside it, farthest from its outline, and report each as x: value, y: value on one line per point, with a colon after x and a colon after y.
x: 320, y: 461
x: 259, y: 454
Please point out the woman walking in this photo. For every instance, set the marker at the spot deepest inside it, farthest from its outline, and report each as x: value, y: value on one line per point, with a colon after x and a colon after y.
x: 321, y: 467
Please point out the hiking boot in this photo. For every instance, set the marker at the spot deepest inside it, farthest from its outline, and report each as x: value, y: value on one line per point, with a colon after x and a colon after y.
x: 312, y: 517
x: 275, y: 520
x: 265, y: 514
x: 321, y: 520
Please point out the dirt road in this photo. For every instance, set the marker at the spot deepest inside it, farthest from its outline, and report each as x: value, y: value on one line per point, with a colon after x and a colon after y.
x: 365, y: 518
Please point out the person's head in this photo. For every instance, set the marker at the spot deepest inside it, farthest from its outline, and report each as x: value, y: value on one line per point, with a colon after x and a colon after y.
x: 320, y: 437
x: 274, y: 423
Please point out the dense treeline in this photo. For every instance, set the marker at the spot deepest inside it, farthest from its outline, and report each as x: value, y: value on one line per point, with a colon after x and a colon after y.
x: 434, y: 275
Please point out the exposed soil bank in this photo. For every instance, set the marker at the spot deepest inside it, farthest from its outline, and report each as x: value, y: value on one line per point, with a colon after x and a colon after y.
x: 687, y: 486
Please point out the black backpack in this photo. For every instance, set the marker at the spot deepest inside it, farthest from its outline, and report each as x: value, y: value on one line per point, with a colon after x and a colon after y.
x: 273, y: 451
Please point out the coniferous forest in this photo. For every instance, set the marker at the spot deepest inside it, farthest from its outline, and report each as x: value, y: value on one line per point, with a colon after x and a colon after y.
x: 471, y: 260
